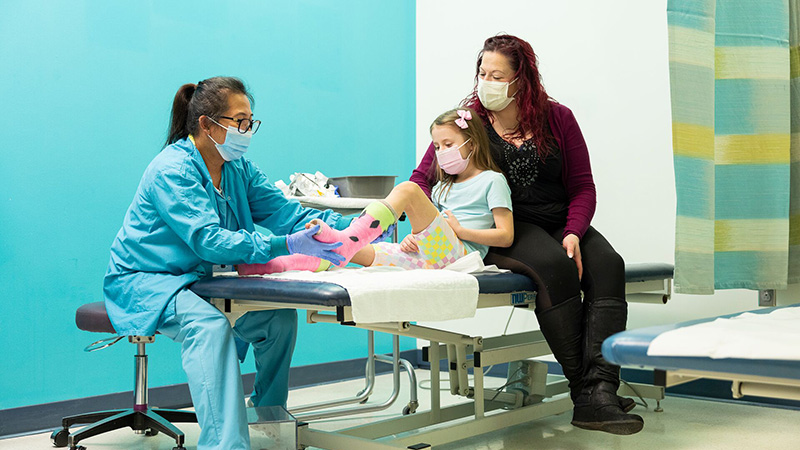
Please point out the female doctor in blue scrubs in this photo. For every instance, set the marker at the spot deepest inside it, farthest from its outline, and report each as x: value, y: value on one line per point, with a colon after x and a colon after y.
x: 196, y: 205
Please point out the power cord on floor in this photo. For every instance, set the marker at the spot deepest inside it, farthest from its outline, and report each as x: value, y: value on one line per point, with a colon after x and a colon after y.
x: 508, y: 383
x: 630, y: 386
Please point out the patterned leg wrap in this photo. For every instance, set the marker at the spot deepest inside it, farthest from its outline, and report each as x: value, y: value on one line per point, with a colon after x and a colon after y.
x: 438, y: 247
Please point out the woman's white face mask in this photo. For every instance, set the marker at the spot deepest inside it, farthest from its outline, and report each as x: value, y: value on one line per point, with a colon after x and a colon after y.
x: 494, y: 94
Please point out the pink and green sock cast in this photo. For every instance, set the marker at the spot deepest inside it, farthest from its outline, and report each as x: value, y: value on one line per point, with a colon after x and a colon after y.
x: 373, y: 221
x: 285, y: 263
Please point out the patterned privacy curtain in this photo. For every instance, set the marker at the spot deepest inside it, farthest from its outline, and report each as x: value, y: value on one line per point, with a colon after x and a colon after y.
x: 734, y: 74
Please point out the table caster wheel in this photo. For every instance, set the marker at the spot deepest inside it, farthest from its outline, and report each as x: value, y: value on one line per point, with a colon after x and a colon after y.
x: 360, y: 393
x: 60, y: 437
x: 410, y: 408
x: 150, y: 432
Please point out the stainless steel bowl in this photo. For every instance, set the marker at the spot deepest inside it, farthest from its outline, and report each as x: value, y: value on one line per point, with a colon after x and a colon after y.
x: 363, y: 186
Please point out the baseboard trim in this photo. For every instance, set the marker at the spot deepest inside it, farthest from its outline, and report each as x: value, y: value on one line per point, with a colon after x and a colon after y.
x: 46, y: 416
x: 702, y: 389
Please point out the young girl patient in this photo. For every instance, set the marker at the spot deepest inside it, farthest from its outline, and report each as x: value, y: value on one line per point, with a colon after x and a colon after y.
x: 469, y: 210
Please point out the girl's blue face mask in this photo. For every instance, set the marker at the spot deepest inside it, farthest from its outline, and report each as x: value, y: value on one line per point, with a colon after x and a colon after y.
x: 235, y: 144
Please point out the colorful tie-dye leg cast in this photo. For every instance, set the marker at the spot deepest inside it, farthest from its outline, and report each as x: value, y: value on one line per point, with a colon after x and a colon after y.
x: 373, y: 221
x: 438, y: 247
x: 285, y: 263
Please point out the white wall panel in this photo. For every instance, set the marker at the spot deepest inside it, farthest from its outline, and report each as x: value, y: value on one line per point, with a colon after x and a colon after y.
x: 608, y: 62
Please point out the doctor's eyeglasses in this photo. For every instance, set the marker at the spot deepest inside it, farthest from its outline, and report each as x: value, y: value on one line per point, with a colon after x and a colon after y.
x: 244, y: 124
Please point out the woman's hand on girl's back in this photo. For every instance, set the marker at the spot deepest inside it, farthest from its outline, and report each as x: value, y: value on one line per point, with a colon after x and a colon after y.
x: 409, y: 244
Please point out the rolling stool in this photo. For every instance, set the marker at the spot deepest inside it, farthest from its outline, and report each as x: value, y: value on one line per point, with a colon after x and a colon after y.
x: 141, y: 419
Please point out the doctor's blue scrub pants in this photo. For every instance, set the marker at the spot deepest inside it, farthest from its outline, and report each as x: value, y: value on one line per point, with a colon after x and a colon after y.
x: 212, y: 367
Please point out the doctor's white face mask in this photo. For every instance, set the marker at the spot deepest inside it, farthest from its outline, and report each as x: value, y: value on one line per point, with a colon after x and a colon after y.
x: 494, y: 94
x: 235, y: 145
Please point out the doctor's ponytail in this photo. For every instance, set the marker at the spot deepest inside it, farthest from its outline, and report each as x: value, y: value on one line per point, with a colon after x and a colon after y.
x: 206, y: 98
x: 180, y: 112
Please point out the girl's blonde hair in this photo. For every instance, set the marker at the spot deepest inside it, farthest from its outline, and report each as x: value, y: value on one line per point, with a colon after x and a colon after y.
x: 476, y: 132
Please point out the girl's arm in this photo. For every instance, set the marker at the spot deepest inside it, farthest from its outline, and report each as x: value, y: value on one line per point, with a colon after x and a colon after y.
x: 500, y: 236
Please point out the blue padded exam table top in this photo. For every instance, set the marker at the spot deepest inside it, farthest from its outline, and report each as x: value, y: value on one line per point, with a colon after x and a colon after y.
x: 327, y: 294
x: 333, y: 295
x: 629, y: 348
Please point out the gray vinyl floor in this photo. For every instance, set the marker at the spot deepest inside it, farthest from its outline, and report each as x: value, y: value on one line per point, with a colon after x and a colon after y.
x: 684, y: 424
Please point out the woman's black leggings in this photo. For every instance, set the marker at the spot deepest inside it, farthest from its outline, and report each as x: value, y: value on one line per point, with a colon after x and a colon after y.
x: 538, y: 254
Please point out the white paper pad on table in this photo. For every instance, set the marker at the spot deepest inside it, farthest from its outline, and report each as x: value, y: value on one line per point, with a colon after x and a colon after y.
x: 388, y: 294
x: 472, y: 263
x: 771, y: 336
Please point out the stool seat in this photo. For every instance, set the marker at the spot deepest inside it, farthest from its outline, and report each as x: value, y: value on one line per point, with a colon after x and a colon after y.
x: 93, y: 317
x: 141, y: 418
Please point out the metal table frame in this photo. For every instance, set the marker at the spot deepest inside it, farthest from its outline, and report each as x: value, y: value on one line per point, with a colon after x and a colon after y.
x: 485, y: 411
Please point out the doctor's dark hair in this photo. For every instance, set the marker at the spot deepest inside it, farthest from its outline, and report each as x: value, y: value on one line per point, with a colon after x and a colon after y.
x: 476, y: 132
x: 206, y: 98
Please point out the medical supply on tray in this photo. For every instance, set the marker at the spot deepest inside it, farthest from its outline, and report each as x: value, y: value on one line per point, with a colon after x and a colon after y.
x: 318, y: 185
x: 307, y: 185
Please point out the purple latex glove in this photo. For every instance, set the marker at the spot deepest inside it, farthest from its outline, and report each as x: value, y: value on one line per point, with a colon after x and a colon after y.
x: 304, y: 242
x: 386, y: 235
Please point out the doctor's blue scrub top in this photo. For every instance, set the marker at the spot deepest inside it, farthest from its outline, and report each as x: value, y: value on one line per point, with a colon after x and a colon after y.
x: 179, y: 225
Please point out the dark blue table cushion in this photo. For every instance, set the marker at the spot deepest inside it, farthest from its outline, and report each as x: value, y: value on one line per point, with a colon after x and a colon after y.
x: 648, y: 272
x: 325, y: 294
x: 265, y: 289
x: 329, y: 294
x: 629, y: 348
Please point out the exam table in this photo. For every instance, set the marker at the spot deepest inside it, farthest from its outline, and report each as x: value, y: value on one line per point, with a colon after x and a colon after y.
x: 465, y: 356
x: 774, y: 378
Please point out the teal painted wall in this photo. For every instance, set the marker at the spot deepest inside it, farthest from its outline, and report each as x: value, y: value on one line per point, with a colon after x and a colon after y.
x: 86, y: 89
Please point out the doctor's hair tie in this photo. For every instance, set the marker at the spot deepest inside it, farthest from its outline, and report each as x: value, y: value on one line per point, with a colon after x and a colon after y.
x: 463, y: 116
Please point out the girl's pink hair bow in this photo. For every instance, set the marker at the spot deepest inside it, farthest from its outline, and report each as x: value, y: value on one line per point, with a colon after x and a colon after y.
x: 463, y: 116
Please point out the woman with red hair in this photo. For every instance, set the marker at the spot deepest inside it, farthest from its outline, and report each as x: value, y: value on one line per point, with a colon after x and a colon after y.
x: 539, y: 147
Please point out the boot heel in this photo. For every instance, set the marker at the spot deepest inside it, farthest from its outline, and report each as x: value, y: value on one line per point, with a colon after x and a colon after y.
x: 626, y: 404
x: 620, y: 427
x: 597, y: 408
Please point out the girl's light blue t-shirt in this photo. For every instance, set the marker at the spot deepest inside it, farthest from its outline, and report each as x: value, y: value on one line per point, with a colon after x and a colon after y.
x: 472, y: 202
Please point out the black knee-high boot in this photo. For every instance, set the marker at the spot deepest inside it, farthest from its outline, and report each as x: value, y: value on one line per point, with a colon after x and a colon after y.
x: 598, y: 407
x: 562, y: 326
